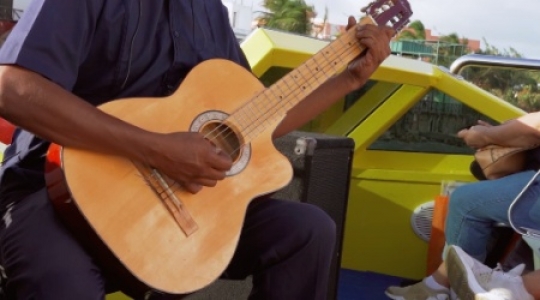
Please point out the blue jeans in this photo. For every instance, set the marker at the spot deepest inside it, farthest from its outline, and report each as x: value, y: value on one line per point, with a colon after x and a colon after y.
x: 476, y: 208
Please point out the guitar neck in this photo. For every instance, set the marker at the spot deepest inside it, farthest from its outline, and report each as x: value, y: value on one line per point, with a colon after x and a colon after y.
x: 274, y: 102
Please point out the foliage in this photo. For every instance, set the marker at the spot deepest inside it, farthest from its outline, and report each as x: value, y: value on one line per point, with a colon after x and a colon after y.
x: 288, y: 15
x: 445, y: 50
x: 492, y: 50
x: 519, y: 87
x: 415, y: 31
x: 450, y: 47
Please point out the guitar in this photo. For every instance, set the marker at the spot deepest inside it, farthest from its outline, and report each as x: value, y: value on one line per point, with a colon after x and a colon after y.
x: 499, y: 161
x: 164, y: 237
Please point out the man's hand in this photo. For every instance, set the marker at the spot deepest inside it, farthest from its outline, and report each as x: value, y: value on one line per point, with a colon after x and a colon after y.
x: 376, y: 40
x: 476, y: 136
x: 190, y: 159
x: 520, y: 132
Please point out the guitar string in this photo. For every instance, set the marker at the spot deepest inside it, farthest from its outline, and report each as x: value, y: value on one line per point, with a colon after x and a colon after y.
x: 236, y: 114
x: 340, y: 48
x: 273, y: 111
x: 392, y: 22
x: 345, y: 46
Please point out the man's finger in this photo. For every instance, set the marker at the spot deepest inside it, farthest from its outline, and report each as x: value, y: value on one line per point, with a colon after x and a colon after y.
x: 193, y: 187
x: 350, y: 22
x: 390, y: 32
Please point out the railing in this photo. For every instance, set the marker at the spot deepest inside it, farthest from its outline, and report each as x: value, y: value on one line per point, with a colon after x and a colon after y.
x: 493, y: 61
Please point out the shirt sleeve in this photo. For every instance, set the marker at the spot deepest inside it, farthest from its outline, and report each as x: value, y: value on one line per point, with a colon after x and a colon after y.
x: 52, y: 38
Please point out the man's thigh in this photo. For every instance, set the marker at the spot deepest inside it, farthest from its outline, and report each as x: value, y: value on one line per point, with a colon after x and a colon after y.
x: 41, y: 258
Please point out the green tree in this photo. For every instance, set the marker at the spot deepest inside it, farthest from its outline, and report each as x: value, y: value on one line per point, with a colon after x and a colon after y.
x: 518, y: 87
x: 449, y: 48
x: 288, y: 15
x: 415, y: 31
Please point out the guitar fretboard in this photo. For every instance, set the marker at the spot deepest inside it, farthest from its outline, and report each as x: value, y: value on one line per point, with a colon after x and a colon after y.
x: 274, y: 102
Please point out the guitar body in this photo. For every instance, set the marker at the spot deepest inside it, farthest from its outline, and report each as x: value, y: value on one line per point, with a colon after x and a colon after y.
x: 499, y: 161
x: 117, y: 204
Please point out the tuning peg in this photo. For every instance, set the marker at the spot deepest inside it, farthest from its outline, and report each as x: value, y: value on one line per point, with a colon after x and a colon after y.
x: 365, y: 8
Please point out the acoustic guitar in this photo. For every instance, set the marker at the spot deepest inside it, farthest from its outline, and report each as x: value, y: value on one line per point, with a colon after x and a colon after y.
x: 498, y: 161
x: 170, y: 240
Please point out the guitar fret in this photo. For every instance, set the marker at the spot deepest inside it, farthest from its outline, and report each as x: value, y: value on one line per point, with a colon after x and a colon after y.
x: 248, y: 117
x: 285, y: 82
x: 316, y: 69
x: 280, y: 95
x: 306, y: 87
x: 245, y: 126
x: 328, y: 62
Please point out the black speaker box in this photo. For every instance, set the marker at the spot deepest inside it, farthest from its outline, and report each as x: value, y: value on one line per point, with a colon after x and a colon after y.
x: 322, y: 166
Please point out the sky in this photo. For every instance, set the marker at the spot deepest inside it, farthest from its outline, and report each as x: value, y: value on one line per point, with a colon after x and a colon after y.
x: 502, y: 23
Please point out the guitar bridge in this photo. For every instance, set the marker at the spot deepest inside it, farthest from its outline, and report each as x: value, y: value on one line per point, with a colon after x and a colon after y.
x: 166, y: 194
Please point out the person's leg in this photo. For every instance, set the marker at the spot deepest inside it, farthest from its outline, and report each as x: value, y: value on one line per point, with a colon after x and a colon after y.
x: 41, y: 259
x: 435, y: 286
x: 475, y: 209
x: 288, y: 248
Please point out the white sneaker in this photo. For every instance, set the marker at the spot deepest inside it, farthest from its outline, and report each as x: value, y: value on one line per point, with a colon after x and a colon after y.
x: 418, y: 291
x: 472, y: 280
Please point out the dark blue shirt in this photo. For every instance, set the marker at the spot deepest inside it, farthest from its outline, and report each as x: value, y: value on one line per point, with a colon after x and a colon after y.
x: 103, y: 50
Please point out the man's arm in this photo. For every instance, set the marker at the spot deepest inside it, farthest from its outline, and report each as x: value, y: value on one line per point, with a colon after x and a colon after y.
x: 376, y: 40
x: 521, y: 132
x: 42, y: 107
x: 54, y: 114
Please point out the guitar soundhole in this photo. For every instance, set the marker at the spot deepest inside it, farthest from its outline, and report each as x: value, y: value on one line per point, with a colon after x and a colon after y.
x: 223, y: 137
x: 213, y: 125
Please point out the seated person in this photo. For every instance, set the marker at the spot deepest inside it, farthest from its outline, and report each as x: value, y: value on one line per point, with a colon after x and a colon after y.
x: 476, y: 208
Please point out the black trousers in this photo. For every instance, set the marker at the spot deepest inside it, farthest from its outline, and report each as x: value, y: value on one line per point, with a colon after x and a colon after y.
x: 287, y: 246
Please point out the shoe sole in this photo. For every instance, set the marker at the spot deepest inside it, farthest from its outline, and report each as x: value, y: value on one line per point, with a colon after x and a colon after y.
x: 393, y: 297
x: 459, y: 274
x: 402, y: 298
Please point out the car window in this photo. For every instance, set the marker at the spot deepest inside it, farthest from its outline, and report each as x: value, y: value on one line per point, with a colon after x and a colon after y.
x: 431, y: 126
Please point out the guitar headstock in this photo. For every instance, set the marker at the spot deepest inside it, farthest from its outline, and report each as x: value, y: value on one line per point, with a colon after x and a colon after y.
x: 393, y: 13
